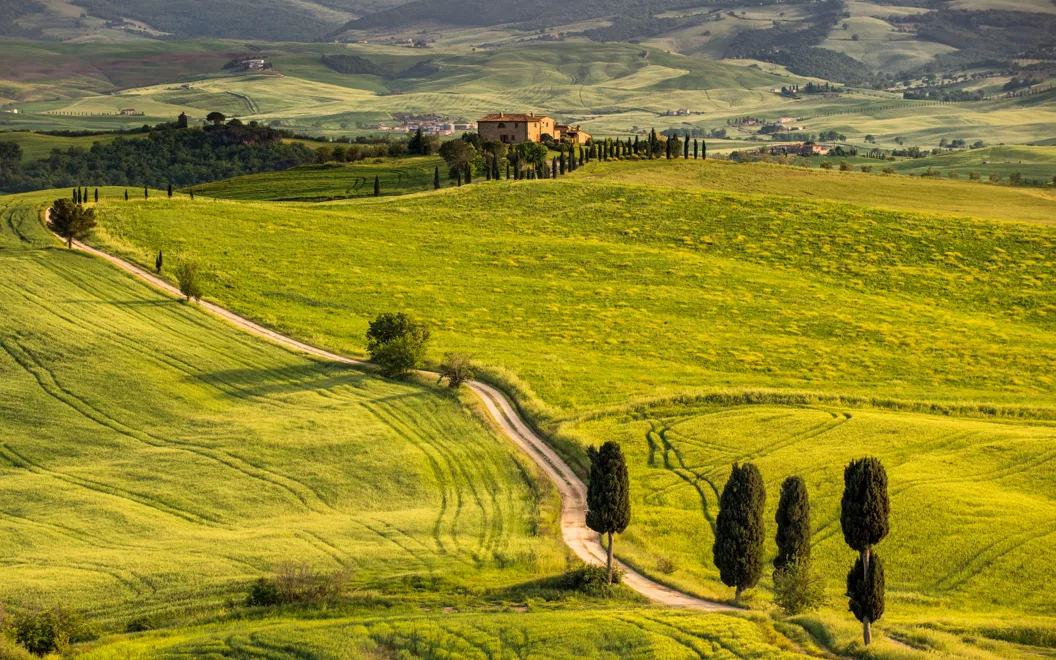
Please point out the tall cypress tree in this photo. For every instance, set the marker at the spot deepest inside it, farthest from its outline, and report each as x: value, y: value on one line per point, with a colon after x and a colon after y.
x: 740, y: 528
x: 487, y: 169
x: 377, y: 186
x: 146, y: 195
x: 75, y: 194
x: 703, y: 150
x: 436, y: 178
x: 159, y: 262
x: 126, y: 194
x: 96, y: 195
x: 696, y: 147
x: 608, y: 493
x: 469, y: 173
x: 84, y: 195
x: 864, y: 513
x: 561, y: 163
x: 192, y: 193
x: 507, y: 170
x: 669, y: 148
x: 793, y: 523
x: 685, y: 148
x: 170, y: 191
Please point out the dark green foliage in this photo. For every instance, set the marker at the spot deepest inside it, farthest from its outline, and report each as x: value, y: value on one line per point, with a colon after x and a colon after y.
x: 865, y: 589
x: 146, y: 193
x: 740, y: 529
x: 608, y: 493
x: 96, y: 195
x: 797, y: 588
x: 216, y: 118
x: 696, y: 149
x: 189, y: 280
x: 703, y: 150
x: 793, y: 523
x: 297, y: 583
x: 141, y: 624
x: 170, y: 191
x: 685, y: 149
x: 864, y: 509
x: 192, y: 193
x: 397, y: 343
x: 263, y: 593
x: 377, y: 186
x: 592, y: 580
x: 436, y: 178
x: 457, y: 154
x: 159, y: 262
x: 71, y: 221
x: 469, y: 173
x: 51, y: 630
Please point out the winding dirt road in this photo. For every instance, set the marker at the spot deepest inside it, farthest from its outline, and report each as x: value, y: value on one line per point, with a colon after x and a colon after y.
x: 584, y: 542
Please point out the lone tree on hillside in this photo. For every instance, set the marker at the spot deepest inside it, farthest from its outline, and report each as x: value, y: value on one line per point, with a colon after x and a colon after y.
x: 436, y: 178
x: 377, y: 186
x: 159, y: 262
x: 793, y: 523
x: 216, y: 117
x: 71, y: 221
x: 189, y: 280
x: 456, y: 368
x: 864, y: 512
x: 170, y: 191
x: 126, y: 194
x: 740, y: 529
x: 608, y: 493
x: 397, y: 343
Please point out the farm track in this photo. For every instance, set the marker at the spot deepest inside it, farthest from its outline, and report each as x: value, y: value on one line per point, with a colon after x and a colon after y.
x: 585, y: 543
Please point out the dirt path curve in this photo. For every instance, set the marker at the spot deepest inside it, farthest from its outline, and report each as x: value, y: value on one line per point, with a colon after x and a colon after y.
x: 584, y: 542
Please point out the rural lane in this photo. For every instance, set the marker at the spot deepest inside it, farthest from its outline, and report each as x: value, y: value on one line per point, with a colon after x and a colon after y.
x: 584, y: 542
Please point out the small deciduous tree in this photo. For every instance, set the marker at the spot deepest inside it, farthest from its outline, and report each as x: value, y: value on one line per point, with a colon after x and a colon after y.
x: 608, y: 494
x: 740, y: 528
x: 71, y: 221
x: 189, y: 280
x: 797, y: 588
x: 397, y: 343
x: 457, y: 369
x: 216, y: 118
x: 864, y: 513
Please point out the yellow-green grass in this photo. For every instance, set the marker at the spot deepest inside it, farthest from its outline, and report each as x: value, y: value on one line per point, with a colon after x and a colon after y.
x: 1036, y: 163
x: 794, y: 333
x: 332, y: 181
x: 36, y: 146
x: 599, y: 634
x: 963, y: 197
x: 880, y: 46
x: 153, y: 459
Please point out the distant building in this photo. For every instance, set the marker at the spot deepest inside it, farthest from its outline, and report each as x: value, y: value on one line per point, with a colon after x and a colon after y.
x: 254, y: 65
x: 514, y: 129
x: 128, y: 111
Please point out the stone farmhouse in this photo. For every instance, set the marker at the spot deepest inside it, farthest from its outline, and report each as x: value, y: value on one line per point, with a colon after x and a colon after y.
x: 514, y: 129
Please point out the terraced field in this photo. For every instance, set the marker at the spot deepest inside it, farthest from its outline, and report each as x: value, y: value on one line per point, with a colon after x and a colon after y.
x: 332, y: 181
x: 154, y: 460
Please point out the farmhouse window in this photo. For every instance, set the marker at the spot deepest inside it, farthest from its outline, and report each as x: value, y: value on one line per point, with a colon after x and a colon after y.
x: 502, y: 125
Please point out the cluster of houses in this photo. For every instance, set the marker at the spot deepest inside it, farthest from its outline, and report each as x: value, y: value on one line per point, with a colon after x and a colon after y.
x: 517, y: 128
x: 441, y: 128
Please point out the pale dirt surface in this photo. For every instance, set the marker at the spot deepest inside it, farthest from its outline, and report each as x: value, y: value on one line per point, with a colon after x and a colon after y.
x: 585, y: 543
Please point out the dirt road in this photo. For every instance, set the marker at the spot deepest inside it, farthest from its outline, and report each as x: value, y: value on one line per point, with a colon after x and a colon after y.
x: 584, y: 542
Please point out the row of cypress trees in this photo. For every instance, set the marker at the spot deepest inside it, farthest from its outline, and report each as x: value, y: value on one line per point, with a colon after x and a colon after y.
x: 740, y: 528
x: 80, y: 195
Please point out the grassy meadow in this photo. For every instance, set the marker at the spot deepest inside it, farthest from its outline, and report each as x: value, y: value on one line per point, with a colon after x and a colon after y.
x: 36, y: 146
x: 701, y: 328
x: 155, y: 460
x: 312, y: 183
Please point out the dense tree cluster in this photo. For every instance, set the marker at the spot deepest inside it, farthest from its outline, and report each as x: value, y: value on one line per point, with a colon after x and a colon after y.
x: 164, y: 155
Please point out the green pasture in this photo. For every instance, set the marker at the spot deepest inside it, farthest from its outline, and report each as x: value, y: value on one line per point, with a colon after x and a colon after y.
x: 332, y: 181
x: 155, y: 461
x: 702, y: 328
x: 896, y: 192
x: 36, y: 146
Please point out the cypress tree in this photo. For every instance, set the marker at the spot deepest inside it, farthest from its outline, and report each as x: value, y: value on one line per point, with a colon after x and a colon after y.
x: 96, y: 195
x: 159, y: 262
x: 608, y: 493
x: 561, y: 163
x: 703, y: 150
x: 636, y: 144
x: 126, y: 194
x: 553, y: 167
x: 495, y: 168
x: 76, y: 193
x: 865, y: 591
x: 864, y: 513
x: 170, y: 191
x: 685, y: 148
x: 436, y: 178
x: 696, y: 147
x: 146, y: 195
x: 581, y: 161
x: 740, y: 529
x: 469, y: 174
x: 192, y: 193
x: 507, y: 170
x: 793, y: 523
x: 84, y: 195
x: 377, y: 186
x: 487, y: 169
x: 669, y: 148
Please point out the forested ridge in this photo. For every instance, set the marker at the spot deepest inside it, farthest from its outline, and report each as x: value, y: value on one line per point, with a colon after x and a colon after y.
x: 166, y: 154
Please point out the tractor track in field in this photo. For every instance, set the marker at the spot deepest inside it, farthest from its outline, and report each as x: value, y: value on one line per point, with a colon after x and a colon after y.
x: 586, y: 544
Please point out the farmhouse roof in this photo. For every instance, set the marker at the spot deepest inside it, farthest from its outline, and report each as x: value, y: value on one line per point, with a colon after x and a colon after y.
x: 502, y: 116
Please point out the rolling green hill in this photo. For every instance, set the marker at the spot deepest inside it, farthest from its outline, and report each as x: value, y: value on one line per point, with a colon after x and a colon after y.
x: 620, y: 311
